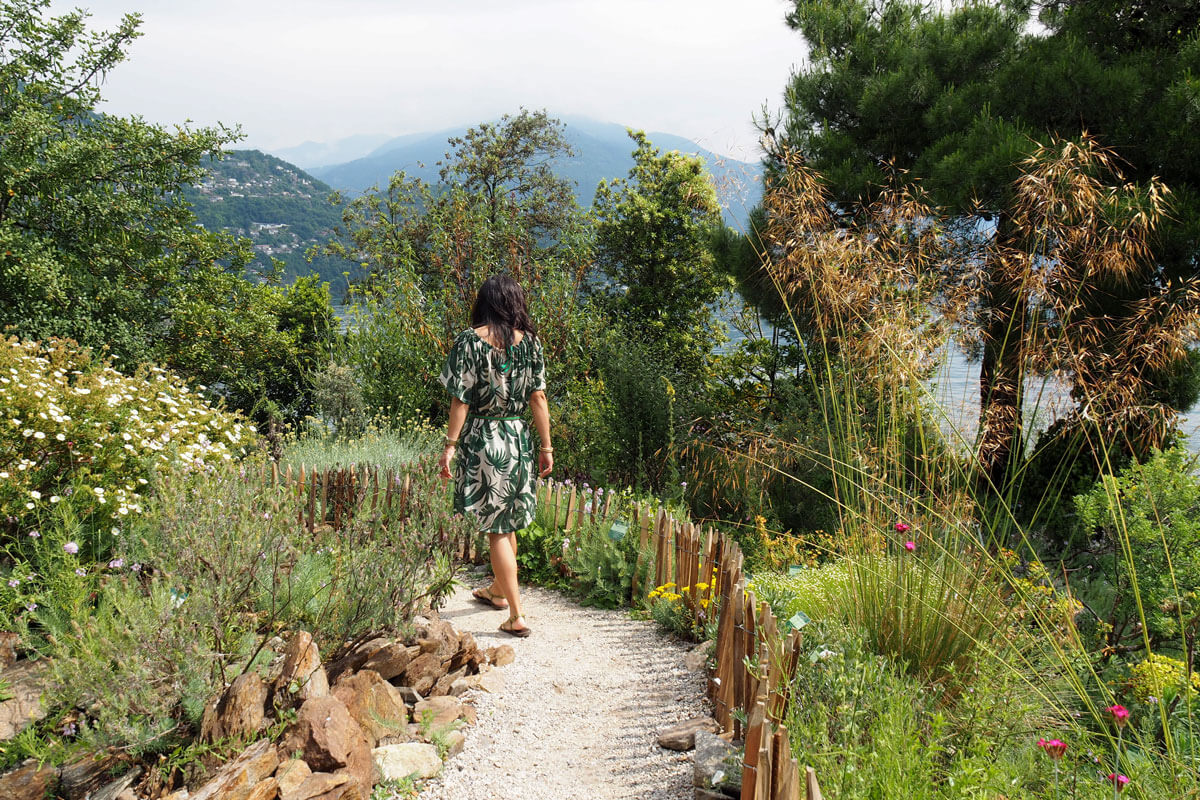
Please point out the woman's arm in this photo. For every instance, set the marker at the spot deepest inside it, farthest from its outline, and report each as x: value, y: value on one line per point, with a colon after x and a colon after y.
x: 458, y: 416
x: 540, y: 407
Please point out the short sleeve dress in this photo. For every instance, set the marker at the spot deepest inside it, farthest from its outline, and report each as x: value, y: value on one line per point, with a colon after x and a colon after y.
x: 494, y: 471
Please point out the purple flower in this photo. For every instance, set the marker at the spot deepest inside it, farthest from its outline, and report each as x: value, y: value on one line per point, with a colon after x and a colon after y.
x: 68, y: 729
x: 80, y: 571
x: 34, y: 534
x: 71, y: 548
x: 116, y: 563
x: 14, y: 583
x: 136, y: 567
x: 30, y: 607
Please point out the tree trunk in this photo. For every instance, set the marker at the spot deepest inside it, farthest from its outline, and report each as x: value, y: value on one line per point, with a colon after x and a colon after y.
x: 1002, y: 370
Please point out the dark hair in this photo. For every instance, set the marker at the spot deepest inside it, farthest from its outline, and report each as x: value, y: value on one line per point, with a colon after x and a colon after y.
x: 500, y: 305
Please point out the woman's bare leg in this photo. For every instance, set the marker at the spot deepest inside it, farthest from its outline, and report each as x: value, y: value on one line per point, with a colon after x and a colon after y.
x: 495, y: 587
x: 503, y: 548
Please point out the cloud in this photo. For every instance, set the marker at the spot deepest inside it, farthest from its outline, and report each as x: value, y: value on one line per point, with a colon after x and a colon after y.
x: 306, y: 70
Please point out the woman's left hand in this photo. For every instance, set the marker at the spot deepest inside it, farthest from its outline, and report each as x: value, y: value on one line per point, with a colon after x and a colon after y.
x: 444, y: 463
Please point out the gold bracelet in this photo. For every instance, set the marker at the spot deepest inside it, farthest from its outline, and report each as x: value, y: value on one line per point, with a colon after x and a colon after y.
x: 451, y: 442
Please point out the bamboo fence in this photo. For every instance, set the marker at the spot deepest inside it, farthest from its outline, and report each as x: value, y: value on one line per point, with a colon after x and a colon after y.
x: 755, y: 658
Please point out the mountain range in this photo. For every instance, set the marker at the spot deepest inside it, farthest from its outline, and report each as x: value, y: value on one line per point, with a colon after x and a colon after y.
x: 603, y: 150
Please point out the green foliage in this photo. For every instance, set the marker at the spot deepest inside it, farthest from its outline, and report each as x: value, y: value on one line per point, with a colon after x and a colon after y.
x: 97, y: 242
x: 338, y: 399
x: 138, y: 664
x: 1147, y: 519
x: 77, y: 433
x: 383, y: 446
x: 814, y: 592
x: 871, y: 730
x: 602, y: 569
x: 654, y: 232
x: 540, y: 556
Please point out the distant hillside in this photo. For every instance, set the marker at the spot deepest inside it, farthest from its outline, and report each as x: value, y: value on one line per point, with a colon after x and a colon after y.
x: 278, y: 206
x: 602, y: 151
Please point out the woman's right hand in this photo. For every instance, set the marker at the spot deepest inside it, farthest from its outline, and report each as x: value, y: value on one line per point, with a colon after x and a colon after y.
x: 444, y: 463
x: 545, y: 463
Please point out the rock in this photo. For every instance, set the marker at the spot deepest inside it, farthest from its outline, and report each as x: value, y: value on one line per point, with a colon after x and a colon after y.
x: 437, y: 712
x: 291, y: 773
x: 330, y: 740
x: 30, y: 781
x: 683, y: 735
x: 327, y: 786
x: 375, y: 704
x: 302, y: 674
x: 468, y: 655
x: 713, y: 761
x: 442, y: 687
x: 354, y: 658
x: 501, y: 656
x: 696, y: 659
x: 423, y: 672
x: 84, y: 776
x: 468, y: 714
x: 410, y: 695
x: 26, y: 682
x: 440, y: 639
x: 237, y: 778
x: 709, y: 794
x: 391, y: 659
x: 8, y: 649
x: 120, y: 787
x: 239, y: 713
x: 264, y: 790
x: 491, y: 681
x: 398, y: 761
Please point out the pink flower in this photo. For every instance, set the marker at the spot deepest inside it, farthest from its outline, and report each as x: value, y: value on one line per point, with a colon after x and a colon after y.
x: 910, y: 546
x: 1118, y: 780
x: 1054, y: 748
x: 902, y: 527
x: 1120, y: 717
x: 71, y: 548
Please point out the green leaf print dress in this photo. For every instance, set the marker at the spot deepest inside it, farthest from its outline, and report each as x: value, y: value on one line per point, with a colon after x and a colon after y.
x: 494, y: 471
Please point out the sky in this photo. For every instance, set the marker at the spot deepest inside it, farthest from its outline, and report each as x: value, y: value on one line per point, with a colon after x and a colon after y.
x: 290, y: 71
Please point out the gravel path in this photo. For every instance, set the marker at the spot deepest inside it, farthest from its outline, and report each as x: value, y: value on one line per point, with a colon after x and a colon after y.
x: 579, y: 711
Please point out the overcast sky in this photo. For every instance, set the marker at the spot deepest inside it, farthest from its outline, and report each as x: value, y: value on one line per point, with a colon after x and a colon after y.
x: 290, y: 71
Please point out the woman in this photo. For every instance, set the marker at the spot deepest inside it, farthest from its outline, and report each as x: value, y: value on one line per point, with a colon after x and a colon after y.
x: 494, y: 372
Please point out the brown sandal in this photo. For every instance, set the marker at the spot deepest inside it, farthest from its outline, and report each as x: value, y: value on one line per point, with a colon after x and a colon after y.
x: 521, y: 633
x: 484, y: 594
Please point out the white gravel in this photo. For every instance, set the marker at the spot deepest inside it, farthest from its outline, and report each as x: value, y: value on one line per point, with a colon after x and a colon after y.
x: 580, y: 709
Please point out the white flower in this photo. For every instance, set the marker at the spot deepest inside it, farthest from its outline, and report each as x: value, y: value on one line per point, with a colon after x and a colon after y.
x: 35, y: 494
x: 54, y: 498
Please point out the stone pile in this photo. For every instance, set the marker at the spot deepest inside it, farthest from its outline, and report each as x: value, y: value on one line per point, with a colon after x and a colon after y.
x: 385, y: 710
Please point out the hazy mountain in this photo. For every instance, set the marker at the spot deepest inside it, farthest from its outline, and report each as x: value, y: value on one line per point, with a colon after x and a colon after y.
x: 311, y: 155
x: 602, y: 150
x: 282, y: 209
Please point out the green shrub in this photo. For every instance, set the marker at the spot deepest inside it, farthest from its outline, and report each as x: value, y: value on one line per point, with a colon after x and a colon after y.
x: 815, y: 592
x: 77, y: 432
x: 1148, y: 521
x: 870, y: 729
x: 389, y: 446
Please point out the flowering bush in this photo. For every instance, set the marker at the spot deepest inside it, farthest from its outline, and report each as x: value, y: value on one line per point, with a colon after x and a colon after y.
x: 74, y: 430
